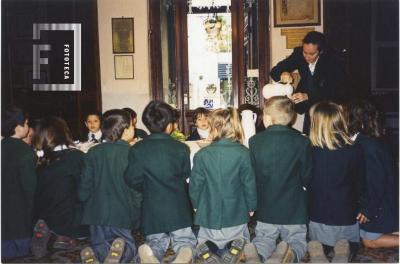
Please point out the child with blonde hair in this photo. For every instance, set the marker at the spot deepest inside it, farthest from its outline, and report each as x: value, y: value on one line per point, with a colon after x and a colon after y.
x: 222, y: 190
x: 282, y: 163
x: 338, y: 168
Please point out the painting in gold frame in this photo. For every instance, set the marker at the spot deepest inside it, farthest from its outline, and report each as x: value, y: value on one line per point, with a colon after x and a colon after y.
x: 293, y: 13
x: 122, y: 35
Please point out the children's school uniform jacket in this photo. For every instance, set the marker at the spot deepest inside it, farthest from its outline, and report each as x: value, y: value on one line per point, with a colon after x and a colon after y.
x: 108, y: 201
x: 159, y: 167
x: 336, y: 185
x: 222, y: 185
x: 56, y: 199
x: 378, y: 195
x: 282, y: 163
x: 18, y: 183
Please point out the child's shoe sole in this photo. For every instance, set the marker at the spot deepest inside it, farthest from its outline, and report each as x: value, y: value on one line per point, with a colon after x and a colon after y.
x: 251, y: 253
x: 342, y: 252
x: 41, y: 236
x: 279, y: 253
x: 316, y: 252
x: 235, y: 252
x: 185, y: 255
x: 88, y: 256
x: 116, y: 251
x: 205, y: 255
x: 146, y: 255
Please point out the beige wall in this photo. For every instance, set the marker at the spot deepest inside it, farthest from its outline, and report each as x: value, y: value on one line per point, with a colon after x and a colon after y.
x: 279, y: 51
x: 124, y: 93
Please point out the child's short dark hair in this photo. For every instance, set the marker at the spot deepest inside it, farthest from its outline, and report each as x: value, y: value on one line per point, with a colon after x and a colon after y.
x: 198, y: 112
x: 157, y: 115
x: 131, y: 112
x: 96, y: 113
x: 115, y: 121
x: 10, y: 119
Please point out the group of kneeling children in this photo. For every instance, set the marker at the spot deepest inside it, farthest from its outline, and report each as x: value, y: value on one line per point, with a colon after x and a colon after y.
x: 285, y: 180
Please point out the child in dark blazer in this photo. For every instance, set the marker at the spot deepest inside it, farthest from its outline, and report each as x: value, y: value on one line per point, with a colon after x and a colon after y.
x: 110, y: 206
x: 338, y: 169
x: 159, y: 167
x: 93, y: 124
x: 222, y: 188
x: 282, y: 163
x: 18, y: 183
x: 56, y: 198
x: 202, y: 127
x: 377, y: 216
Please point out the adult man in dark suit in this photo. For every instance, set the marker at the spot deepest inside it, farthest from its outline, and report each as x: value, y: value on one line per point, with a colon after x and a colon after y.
x: 322, y: 75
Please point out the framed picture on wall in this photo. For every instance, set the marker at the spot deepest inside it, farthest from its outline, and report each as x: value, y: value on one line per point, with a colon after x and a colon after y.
x: 123, y: 67
x: 122, y: 35
x: 288, y: 13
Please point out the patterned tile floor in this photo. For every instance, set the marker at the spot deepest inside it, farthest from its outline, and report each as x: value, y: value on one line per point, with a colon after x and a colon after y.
x: 72, y: 256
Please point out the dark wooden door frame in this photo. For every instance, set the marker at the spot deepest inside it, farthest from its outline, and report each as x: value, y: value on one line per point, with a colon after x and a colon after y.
x: 181, y: 53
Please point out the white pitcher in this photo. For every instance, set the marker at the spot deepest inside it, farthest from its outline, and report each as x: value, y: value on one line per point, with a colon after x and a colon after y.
x: 249, y: 125
x: 275, y: 89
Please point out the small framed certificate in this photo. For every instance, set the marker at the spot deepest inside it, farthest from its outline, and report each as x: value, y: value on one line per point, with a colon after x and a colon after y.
x: 123, y: 65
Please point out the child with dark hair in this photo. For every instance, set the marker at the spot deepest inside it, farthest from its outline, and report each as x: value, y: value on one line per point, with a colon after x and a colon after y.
x: 158, y: 167
x: 377, y: 216
x: 18, y: 183
x: 139, y: 133
x: 93, y: 123
x: 110, y: 207
x: 202, y: 127
x: 56, y: 199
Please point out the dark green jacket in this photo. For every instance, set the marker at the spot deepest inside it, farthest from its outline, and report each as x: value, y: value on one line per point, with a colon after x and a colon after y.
x: 18, y: 183
x: 56, y: 199
x: 282, y: 162
x: 159, y: 166
x: 222, y: 185
x: 108, y: 201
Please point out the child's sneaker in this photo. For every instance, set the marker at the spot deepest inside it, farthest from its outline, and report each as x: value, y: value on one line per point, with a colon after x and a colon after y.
x: 116, y: 251
x: 251, y: 254
x: 205, y: 255
x: 185, y: 255
x: 88, y: 256
x: 146, y: 255
x: 235, y: 252
x: 342, y: 252
x: 316, y: 252
x: 279, y: 253
x: 41, y: 236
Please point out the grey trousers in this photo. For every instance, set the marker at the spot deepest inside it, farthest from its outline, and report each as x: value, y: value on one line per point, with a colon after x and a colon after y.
x: 159, y: 243
x: 266, y: 235
x: 223, y: 236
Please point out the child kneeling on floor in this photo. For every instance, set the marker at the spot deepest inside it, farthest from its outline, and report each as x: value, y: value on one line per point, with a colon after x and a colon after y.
x: 223, y: 190
x: 110, y: 206
x: 159, y: 167
x: 335, y: 187
x: 282, y: 163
